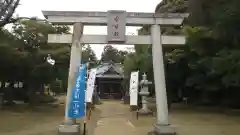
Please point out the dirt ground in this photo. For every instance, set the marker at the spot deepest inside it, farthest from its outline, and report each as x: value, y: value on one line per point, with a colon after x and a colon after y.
x: 192, y: 121
x: 115, y: 117
x: 40, y: 121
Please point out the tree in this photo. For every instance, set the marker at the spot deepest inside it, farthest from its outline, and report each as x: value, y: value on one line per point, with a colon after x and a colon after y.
x: 88, y: 55
x: 7, y: 8
x: 206, y: 69
x: 122, y: 54
x: 24, y: 51
x: 112, y: 54
x: 211, y: 53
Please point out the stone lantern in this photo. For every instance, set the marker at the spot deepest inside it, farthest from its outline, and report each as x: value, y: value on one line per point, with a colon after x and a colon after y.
x: 144, y: 83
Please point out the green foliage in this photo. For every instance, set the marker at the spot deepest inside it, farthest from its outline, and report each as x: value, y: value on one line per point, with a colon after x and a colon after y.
x: 89, y: 56
x: 112, y: 54
x: 24, y: 51
x: 57, y: 87
x: 8, y: 8
x: 207, y: 68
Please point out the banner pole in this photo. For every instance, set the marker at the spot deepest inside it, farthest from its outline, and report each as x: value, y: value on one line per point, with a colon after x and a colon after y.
x: 85, y: 117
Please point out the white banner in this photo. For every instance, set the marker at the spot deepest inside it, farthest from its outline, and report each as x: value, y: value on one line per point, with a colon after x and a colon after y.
x: 90, y: 85
x: 133, y: 91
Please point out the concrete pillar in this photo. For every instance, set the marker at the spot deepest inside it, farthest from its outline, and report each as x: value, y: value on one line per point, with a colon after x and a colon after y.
x: 69, y: 126
x: 162, y: 125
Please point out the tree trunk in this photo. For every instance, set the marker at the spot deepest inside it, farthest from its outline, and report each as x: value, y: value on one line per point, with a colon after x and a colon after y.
x: 195, y: 8
x: 7, y: 10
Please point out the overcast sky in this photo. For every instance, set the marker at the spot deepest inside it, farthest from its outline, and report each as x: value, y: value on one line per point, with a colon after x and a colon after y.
x: 30, y: 8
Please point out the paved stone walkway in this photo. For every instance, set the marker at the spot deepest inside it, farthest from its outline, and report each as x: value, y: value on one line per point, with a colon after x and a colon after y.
x: 114, y: 119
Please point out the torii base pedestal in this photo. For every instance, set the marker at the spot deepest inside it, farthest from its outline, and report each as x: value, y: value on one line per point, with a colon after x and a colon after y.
x: 162, y: 130
x: 145, y: 112
x: 133, y: 107
x: 69, y: 129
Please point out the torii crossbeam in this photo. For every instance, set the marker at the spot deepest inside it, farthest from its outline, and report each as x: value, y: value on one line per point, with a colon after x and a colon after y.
x: 117, y: 20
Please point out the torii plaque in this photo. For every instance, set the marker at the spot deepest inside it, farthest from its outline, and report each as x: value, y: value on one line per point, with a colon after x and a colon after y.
x: 118, y: 36
x: 116, y: 26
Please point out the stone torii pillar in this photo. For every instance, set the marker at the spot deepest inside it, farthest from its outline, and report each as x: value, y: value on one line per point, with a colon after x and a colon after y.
x: 162, y: 126
x: 117, y: 21
x: 69, y: 126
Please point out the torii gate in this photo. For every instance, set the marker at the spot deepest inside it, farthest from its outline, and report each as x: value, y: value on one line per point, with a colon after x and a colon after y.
x: 117, y: 21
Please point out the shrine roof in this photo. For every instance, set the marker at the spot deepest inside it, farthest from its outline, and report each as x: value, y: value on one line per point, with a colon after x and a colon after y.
x: 105, y: 67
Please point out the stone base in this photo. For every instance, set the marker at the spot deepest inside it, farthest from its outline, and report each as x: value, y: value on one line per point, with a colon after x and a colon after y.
x: 145, y: 112
x: 90, y: 105
x: 69, y: 129
x: 162, y: 130
x: 133, y: 108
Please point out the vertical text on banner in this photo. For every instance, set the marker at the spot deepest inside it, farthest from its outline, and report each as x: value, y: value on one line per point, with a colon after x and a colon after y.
x: 133, y: 91
x: 90, y: 85
x: 77, y: 103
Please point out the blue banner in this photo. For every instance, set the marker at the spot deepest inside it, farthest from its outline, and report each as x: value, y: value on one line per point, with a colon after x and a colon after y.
x: 77, y: 103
